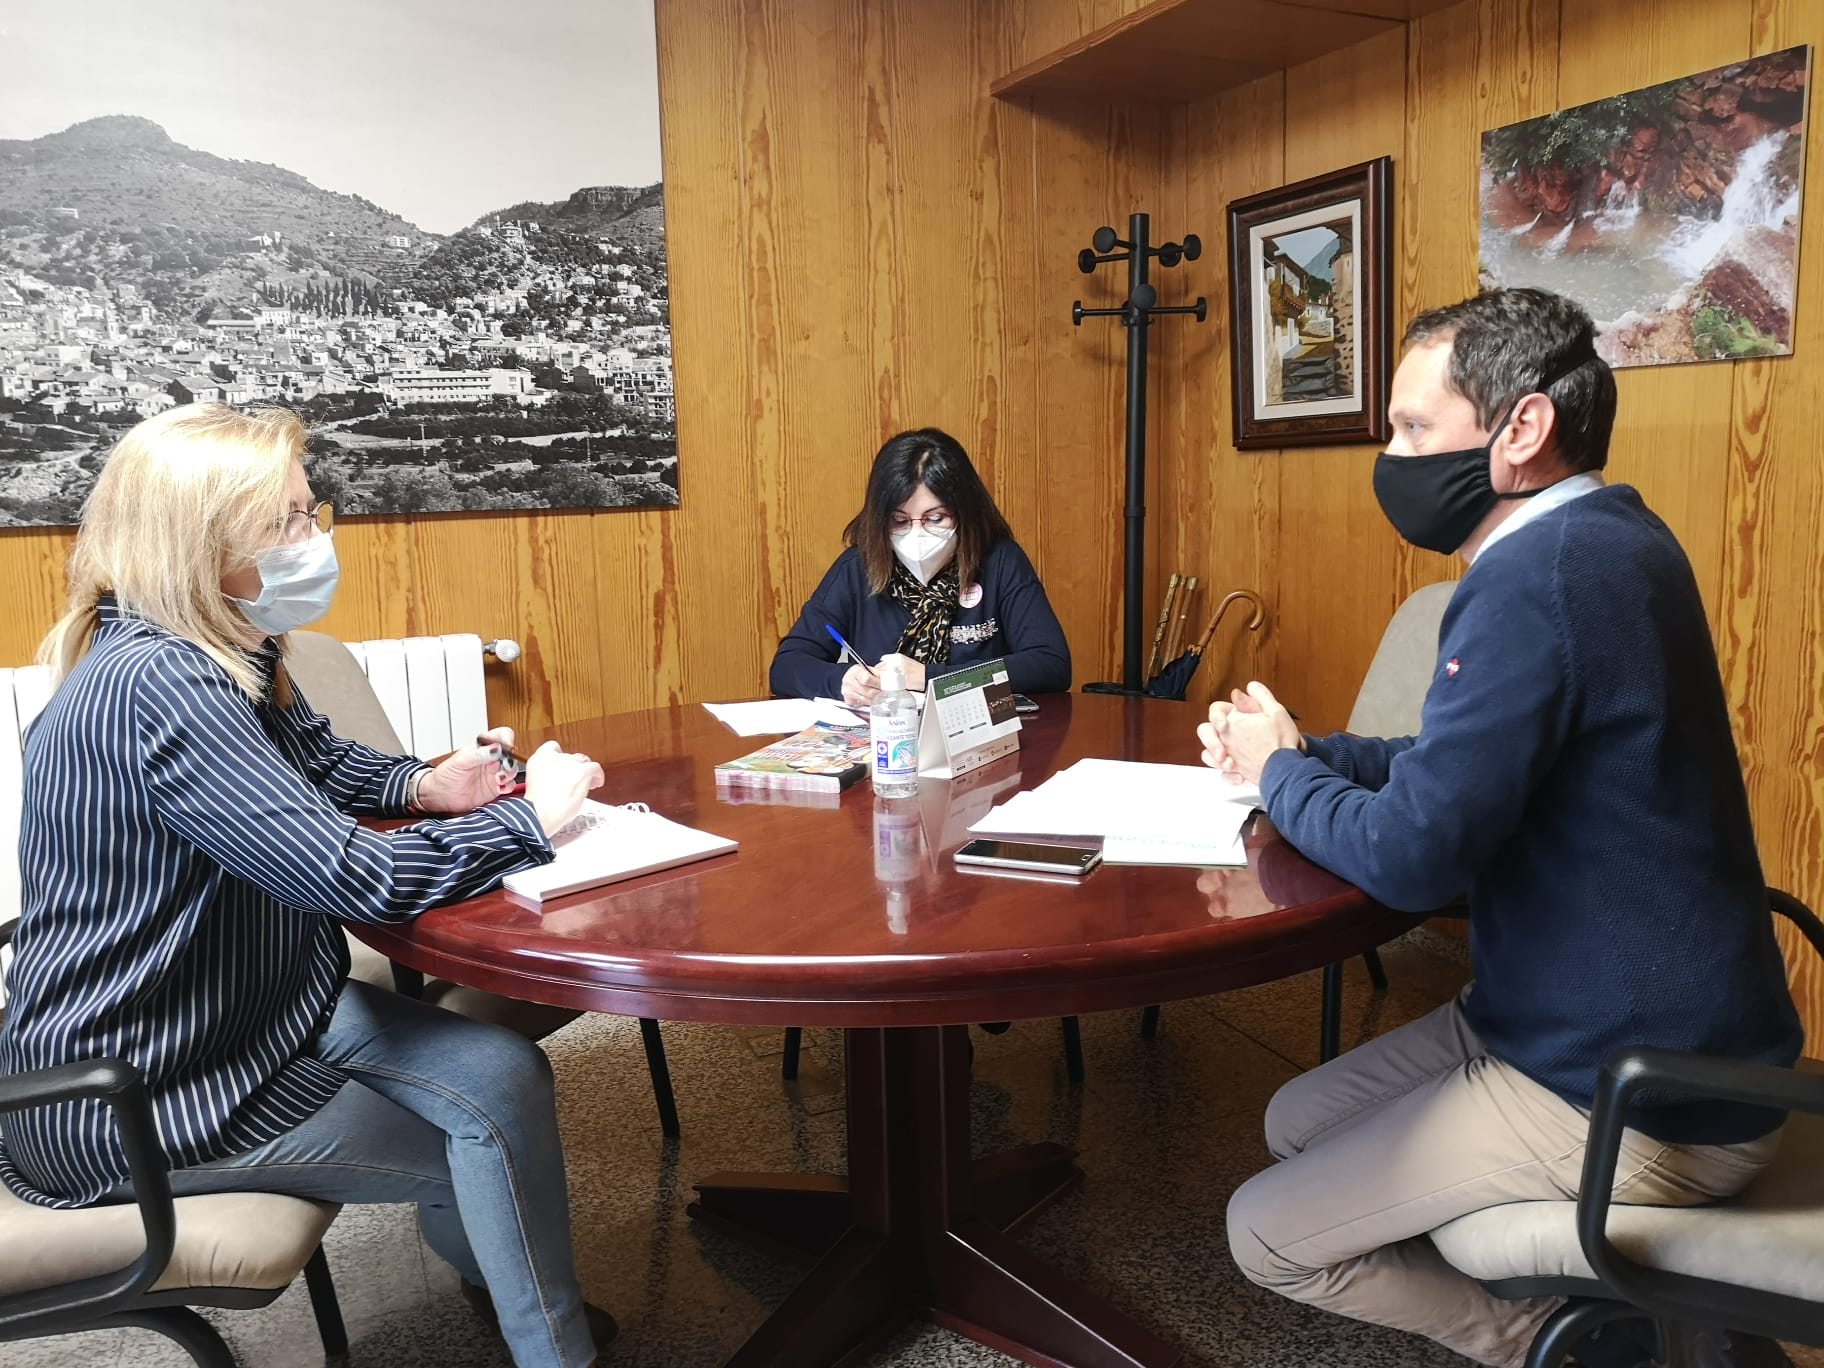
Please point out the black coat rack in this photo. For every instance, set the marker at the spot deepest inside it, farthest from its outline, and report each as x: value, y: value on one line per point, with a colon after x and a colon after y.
x: 1136, y: 316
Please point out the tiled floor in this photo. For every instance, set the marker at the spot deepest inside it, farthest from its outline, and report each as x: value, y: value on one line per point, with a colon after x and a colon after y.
x: 1165, y: 1129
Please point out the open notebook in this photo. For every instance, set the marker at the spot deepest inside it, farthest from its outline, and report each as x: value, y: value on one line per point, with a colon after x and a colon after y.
x: 604, y: 844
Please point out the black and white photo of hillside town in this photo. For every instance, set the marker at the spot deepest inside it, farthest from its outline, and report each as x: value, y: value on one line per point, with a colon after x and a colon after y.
x: 463, y: 294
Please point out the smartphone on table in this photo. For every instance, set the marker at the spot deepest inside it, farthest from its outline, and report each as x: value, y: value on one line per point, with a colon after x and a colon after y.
x: 1042, y: 857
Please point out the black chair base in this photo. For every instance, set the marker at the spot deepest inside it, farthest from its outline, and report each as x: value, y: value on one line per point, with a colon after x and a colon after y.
x: 1570, y: 1324
x: 1589, y: 1307
x: 173, y: 1315
x: 179, y: 1324
x: 1073, y: 1048
x: 324, y: 1306
x: 660, y: 1070
x: 1330, y: 1027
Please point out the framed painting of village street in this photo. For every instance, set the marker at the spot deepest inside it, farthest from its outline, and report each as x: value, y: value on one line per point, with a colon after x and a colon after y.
x: 1310, y: 314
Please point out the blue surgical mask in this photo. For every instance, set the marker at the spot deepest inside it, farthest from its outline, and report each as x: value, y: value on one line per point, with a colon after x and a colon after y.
x: 297, y: 581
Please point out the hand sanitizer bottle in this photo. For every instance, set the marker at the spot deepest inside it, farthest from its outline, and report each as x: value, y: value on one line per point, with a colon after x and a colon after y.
x: 893, y: 726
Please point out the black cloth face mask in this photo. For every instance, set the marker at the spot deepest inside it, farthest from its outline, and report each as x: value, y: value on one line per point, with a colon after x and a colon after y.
x: 1437, y: 501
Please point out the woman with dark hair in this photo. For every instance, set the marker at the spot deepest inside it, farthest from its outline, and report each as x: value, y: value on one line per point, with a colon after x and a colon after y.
x: 932, y: 577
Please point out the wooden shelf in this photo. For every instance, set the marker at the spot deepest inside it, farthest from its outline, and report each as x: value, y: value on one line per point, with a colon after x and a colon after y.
x: 1178, y: 50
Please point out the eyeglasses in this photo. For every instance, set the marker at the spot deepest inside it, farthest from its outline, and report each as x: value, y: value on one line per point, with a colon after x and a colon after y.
x: 936, y: 520
x: 296, y: 525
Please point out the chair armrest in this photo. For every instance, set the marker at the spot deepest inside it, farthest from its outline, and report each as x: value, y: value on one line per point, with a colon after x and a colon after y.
x: 1657, y: 1292
x: 1799, y: 915
x: 121, y: 1086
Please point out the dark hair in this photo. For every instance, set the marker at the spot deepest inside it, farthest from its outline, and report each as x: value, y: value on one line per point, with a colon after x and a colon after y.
x: 936, y: 460
x: 1506, y: 344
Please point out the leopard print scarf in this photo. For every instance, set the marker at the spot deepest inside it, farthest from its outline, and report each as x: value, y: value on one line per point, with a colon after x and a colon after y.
x: 933, y: 608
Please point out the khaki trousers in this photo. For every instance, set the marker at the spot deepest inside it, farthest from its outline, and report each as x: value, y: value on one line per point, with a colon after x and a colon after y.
x: 1400, y: 1135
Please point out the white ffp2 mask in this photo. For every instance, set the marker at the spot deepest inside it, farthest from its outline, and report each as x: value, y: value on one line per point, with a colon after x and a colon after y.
x: 923, y: 551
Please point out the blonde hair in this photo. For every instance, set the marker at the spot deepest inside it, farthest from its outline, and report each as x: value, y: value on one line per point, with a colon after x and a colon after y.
x: 184, y: 498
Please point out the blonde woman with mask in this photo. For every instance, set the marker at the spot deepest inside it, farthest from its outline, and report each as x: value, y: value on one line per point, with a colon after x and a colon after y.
x: 932, y: 579
x: 189, y: 851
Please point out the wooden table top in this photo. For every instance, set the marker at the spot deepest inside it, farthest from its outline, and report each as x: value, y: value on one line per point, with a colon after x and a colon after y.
x: 855, y: 915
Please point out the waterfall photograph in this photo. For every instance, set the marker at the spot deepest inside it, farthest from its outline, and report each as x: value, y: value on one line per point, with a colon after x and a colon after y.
x: 1671, y: 212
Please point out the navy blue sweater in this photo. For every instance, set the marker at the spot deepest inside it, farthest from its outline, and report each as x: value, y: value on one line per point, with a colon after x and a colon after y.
x: 1013, y: 619
x: 1576, y: 776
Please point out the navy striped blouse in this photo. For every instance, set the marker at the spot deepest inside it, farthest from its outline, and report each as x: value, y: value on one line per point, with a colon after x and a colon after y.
x: 188, y: 858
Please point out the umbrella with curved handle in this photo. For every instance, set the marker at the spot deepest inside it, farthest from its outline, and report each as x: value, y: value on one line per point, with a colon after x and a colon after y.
x: 1175, y: 678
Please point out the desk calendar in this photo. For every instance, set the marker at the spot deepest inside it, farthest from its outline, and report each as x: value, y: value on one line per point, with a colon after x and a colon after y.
x: 969, y: 719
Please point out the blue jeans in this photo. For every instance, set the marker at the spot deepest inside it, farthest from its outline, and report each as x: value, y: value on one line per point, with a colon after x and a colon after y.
x: 459, y: 1117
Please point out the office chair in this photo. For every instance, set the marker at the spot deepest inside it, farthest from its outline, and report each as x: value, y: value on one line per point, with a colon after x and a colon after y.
x: 1753, y: 1265
x: 146, y: 1264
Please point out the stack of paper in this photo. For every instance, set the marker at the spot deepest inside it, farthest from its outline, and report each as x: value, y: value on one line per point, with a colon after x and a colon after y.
x: 781, y: 715
x: 1146, y: 814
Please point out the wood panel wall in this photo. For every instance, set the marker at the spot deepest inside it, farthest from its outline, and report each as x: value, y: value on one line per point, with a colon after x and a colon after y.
x: 860, y: 241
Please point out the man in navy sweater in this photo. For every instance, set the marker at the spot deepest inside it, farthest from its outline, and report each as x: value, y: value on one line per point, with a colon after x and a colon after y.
x: 1575, y: 777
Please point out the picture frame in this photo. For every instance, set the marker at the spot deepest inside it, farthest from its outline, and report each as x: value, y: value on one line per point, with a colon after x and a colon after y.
x: 1310, y: 309
x: 483, y: 325
x: 1672, y: 213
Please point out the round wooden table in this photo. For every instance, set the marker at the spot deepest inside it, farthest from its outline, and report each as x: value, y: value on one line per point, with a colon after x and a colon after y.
x: 853, y: 915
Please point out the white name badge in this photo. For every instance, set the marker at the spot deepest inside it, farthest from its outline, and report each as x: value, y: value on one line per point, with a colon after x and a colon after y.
x: 969, y: 719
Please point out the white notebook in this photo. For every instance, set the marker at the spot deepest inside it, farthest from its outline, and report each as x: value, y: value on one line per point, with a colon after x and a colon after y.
x: 1157, y: 850
x: 604, y: 844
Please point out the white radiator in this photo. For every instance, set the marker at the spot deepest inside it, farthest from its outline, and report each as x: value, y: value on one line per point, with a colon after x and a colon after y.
x: 23, y: 694
x: 431, y: 688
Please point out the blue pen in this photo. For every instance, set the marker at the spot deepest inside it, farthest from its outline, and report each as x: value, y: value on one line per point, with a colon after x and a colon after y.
x: 848, y: 650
